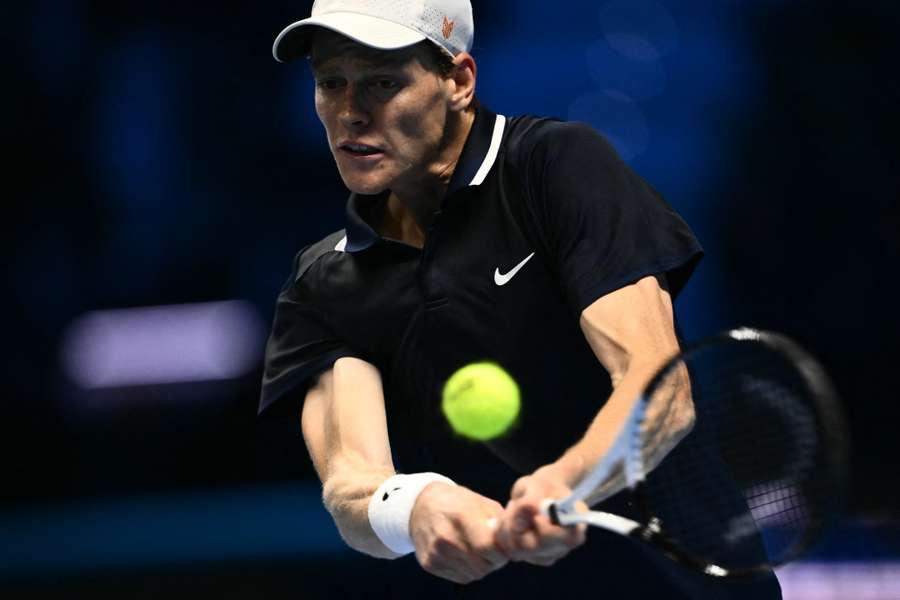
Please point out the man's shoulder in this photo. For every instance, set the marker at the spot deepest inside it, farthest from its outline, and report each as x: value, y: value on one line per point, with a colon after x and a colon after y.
x: 308, y: 256
x: 529, y: 136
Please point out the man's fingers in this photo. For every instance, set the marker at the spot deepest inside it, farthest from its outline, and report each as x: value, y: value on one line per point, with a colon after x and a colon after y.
x: 525, y: 533
x: 503, y: 538
x: 469, y: 556
x: 452, y: 572
x: 521, y: 515
x: 519, y: 489
x: 518, y: 545
x: 568, y: 536
x: 543, y: 562
x: 528, y: 542
x: 481, y: 542
x: 481, y: 555
x: 465, y: 570
x: 578, y: 534
x: 494, y: 556
x: 456, y: 566
x: 454, y: 536
x: 541, y: 543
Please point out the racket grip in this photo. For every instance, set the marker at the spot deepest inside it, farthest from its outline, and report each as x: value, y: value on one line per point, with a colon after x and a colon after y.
x: 549, y: 510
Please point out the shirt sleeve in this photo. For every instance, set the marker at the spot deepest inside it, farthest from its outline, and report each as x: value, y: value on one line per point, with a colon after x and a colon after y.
x: 301, y: 345
x: 602, y: 224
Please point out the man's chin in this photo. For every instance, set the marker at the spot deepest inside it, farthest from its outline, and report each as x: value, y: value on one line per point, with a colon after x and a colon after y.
x: 365, y: 188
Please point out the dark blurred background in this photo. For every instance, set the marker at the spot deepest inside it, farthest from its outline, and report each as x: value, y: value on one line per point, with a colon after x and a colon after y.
x: 157, y: 156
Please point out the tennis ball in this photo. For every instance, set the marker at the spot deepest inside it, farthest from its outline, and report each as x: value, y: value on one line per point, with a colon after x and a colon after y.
x: 481, y: 401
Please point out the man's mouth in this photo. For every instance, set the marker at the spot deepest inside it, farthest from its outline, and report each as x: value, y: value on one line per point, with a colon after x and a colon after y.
x: 360, y: 149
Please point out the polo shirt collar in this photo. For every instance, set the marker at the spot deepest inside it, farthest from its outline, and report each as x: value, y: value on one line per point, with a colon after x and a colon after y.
x: 476, y: 160
x: 480, y: 150
x: 360, y: 234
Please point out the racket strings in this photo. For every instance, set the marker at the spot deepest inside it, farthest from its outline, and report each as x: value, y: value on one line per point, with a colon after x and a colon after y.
x: 741, y: 489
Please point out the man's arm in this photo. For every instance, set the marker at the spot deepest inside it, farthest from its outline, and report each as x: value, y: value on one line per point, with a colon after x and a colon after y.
x: 345, y: 429
x: 632, y: 332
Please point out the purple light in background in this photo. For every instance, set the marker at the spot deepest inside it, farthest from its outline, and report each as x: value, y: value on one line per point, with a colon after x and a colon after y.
x: 840, y: 581
x: 163, y: 344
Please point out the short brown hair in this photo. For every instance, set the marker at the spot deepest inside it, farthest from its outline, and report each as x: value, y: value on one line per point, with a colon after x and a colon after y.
x: 442, y: 63
x: 440, y: 59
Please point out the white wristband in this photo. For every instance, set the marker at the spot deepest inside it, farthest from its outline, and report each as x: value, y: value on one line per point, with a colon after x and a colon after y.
x: 391, y: 505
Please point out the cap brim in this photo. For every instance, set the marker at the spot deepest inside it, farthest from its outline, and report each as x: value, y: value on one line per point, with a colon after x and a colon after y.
x: 296, y: 38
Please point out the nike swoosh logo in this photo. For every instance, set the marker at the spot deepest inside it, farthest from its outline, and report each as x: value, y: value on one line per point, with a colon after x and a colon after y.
x: 501, y: 279
x: 386, y: 495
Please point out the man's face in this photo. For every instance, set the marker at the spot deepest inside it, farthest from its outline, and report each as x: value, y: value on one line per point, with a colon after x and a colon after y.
x: 384, y: 112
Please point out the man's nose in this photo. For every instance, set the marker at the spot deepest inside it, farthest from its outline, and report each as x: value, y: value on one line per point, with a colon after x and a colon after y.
x: 354, y: 111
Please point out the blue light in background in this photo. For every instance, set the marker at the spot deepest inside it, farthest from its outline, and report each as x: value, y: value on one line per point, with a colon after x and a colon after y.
x: 57, y: 41
x: 285, y: 521
x: 141, y: 159
x: 298, y: 95
x: 640, y: 29
x: 138, y: 131
x: 612, y: 70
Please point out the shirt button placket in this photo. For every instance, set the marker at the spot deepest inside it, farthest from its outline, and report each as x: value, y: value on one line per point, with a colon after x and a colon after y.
x: 429, y: 279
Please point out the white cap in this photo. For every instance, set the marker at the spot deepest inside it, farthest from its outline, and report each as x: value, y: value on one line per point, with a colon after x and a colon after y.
x: 383, y: 24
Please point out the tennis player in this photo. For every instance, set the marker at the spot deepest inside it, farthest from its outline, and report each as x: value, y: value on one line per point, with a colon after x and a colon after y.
x: 472, y: 236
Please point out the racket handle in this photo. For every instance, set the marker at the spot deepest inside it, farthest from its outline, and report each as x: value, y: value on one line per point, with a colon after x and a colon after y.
x: 549, y: 510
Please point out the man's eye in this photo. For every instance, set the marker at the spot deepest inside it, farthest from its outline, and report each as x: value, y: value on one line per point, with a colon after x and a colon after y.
x: 386, y: 84
x: 329, y: 84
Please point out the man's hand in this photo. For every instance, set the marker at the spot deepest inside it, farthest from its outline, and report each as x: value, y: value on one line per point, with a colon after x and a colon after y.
x: 452, y: 528
x: 527, y: 535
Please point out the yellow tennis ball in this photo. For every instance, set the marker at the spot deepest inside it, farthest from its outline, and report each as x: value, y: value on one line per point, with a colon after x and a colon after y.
x: 481, y: 401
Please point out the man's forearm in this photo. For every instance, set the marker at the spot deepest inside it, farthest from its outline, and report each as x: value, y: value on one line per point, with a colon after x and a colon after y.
x: 346, y: 497
x: 345, y: 430
x: 669, y: 418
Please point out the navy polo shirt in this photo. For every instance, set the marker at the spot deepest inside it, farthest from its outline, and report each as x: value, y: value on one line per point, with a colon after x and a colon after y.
x: 541, y: 218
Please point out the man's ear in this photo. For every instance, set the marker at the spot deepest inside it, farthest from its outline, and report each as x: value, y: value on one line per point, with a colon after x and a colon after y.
x: 463, y: 79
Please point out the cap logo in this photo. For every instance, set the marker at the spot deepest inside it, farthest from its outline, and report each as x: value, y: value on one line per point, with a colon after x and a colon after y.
x: 448, y: 27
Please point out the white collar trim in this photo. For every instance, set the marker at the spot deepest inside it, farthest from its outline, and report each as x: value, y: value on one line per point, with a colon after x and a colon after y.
x: 491, y: 157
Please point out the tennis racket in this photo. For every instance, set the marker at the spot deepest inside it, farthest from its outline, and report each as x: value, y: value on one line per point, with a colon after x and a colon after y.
x: 755, y: 482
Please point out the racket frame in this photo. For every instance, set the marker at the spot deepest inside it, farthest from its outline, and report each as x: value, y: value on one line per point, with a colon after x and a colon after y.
x: 626, y: 452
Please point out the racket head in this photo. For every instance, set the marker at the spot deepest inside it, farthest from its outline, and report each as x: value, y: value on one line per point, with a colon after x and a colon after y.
x: 764, y: 469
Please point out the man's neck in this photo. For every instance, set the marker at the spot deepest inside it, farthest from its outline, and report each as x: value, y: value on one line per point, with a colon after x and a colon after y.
x: 410, y: 209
